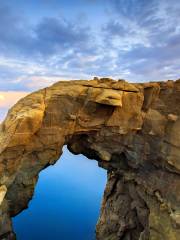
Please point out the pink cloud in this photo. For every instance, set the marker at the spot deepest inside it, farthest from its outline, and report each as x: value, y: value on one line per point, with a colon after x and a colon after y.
x: 8, y: 99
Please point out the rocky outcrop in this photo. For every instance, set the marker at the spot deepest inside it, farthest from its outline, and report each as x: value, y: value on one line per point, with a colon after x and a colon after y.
x: 132, y: 130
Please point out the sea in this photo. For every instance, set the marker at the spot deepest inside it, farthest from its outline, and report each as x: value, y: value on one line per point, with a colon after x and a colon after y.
x: 66, y: 203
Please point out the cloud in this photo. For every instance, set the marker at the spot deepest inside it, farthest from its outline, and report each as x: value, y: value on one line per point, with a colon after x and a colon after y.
x: 51, y: 48
x: 47, y: 37
x: 2, y: 97
x: 8, y: 99
x: 133, y: 39
x: 58, y: 34
x: 134, y: 10
x: 115, y: 28
x: 15, y: 35
x: 145, y: 37
x: 148, y: 22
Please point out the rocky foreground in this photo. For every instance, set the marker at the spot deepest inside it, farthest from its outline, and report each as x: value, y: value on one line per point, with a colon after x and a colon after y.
x: 132, y: 130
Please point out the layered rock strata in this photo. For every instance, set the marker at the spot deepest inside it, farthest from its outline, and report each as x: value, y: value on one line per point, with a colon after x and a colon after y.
x: 132, y: 130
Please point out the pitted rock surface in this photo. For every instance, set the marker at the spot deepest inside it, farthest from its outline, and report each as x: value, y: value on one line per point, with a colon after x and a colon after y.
x: 132, y: 130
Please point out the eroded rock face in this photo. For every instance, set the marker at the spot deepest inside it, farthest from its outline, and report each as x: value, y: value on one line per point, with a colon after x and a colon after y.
x: 132, y: 130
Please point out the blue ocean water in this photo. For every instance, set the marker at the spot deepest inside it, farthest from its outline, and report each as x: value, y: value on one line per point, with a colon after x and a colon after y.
x: 66, y: 202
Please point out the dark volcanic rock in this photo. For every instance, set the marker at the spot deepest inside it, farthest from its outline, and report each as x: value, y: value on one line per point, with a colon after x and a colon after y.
x: 132, y: 130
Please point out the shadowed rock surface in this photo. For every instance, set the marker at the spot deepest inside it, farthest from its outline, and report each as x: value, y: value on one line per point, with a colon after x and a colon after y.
x: 132, y: 130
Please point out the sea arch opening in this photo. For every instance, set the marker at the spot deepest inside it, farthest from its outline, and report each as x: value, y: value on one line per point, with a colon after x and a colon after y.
x: 66, y: 202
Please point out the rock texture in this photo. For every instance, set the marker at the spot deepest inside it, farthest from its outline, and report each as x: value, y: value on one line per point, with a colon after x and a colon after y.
x: 132, y: 130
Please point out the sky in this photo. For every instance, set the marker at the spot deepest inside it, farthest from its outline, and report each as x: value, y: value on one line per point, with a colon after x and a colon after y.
x: 44, y: 41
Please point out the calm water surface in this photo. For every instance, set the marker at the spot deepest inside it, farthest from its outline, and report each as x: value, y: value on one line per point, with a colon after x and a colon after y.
x: 66, y: 203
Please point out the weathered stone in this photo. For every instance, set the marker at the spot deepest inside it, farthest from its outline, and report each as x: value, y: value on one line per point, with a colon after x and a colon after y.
x: 175, y: 216
x: 132, y: 130
x: 3, y: 191
x: 172, y: 117
x: 110, y: 97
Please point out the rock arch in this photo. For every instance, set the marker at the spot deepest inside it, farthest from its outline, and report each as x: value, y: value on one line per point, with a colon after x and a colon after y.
x: 132, y: 130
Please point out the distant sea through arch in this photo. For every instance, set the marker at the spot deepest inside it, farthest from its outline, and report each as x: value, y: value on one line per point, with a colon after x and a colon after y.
x: 66, y: 202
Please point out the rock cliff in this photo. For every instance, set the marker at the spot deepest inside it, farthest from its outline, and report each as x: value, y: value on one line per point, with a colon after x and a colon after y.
x: 132, y: 130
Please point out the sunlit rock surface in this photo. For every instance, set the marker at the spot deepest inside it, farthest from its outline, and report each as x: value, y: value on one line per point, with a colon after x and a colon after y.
x: 132, y: 130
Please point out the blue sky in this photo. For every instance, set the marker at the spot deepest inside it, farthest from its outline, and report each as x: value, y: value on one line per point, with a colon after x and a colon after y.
x: 47, y: 40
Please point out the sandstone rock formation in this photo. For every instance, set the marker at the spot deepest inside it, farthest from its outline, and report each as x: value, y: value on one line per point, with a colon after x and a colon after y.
x: 132, y: 130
